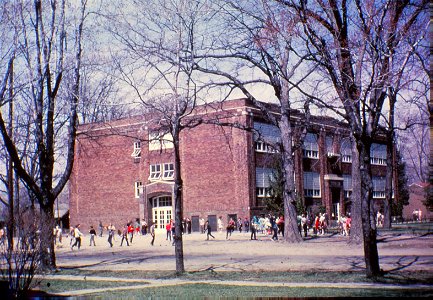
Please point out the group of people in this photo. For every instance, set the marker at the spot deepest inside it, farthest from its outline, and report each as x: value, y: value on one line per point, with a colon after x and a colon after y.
x: 320, y: 223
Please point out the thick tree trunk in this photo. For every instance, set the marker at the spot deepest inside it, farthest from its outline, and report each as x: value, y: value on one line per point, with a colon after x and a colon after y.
x: 371, y: 255
x: 46, y: 225
x: 291, y: 232
x: 355, y: 212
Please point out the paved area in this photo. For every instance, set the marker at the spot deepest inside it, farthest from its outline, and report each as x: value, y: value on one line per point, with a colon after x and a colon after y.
x: 239, y: 253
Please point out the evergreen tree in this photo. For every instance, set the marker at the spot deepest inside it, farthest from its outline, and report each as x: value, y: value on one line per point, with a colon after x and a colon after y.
x: 402, y: 185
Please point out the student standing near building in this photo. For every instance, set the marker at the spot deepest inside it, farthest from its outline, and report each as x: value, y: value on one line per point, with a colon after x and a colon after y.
x: 92, y: 233
x: 220, y: 224
x: 77, y: 235
x: 168, y: 231
x: 152, y: 233
x: 253, y: 229
x: 202, y: 225
x: 209, y: 230
x: 124, y: 235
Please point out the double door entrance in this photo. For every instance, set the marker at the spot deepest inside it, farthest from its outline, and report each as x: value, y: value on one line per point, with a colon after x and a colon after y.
x: 162, y: 212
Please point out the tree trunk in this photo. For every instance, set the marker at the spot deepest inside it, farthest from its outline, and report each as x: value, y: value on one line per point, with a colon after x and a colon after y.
x: 355, y: 212
x: 46, y: 225
x: 371, y: 255
x: 291, y: 232
x: 178, y: 206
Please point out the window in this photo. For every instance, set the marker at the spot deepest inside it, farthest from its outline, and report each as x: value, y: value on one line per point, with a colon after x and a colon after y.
x: 312, y: 184
x: 168, y: 171
x: 346, y: 150
x: 155, y: 172
x: 160, y: 141
x: 378, y: 154
x: 378, y: 187
x: 267, y: 137
x: 138, y: 185
x: 264, y: 147
x: 310, y: 147
x: 136, y: 153
x: 262, y: 192
x: 264, y: 177
x: 162, y: 201
x: 329, y: 144
x: 163, y: 171
x: 347, y: 186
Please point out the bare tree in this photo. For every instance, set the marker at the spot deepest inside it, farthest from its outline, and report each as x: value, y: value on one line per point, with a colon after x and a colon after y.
x: 259, y: 38
x: 354, y: 44
x: 41, y: 51
x: 156, y: 44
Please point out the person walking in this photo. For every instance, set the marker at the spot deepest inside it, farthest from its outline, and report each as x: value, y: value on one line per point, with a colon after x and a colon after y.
x: 253, y: 229
x: 124, y: 235
x: 304, y: 224
x: 111, y: 231
x: 209, y: 230
x: 101, y: 228
x: 274, y: 228
x: 152, y: 233
x: 92, y: 233
x: 77, y: 235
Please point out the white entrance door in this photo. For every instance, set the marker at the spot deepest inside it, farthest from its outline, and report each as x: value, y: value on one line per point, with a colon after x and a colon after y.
x: 161, y: 212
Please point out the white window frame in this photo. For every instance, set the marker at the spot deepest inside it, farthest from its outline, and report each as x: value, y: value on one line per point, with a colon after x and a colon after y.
x: 168, y: 171
x: 346, y: 152
x: 138, y: 185
x: 310, y: 149
x: 159, y: 141
x: 346, y: 158
x: 378, y: 154
x: 378, y: 187
x: 263, y: 192
x: 155, y: 172
x: 264, y: 147
x: 136, y: 153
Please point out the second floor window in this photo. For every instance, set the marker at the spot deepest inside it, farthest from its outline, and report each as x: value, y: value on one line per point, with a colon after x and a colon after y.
x: 346, y: 150
x: 266, y: 137
x: 163, y: 171
x: 378, y: 154
x: 155, y: 172
x: 168, y: 171
x: 310, y: 148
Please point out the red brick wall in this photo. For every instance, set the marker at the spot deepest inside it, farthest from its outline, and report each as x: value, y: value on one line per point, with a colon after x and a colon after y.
x: 102, y: 183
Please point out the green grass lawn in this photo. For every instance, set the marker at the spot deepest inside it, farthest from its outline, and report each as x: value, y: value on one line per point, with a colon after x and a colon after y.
x: 395, y: 283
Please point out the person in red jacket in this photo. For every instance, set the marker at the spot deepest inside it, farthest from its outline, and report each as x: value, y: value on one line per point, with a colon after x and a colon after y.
x: 130, y: 232
x: 168, y: 230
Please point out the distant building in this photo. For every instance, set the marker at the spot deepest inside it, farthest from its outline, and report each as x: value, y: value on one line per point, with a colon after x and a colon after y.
x: 119, y: 175
x: 416, y: 210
